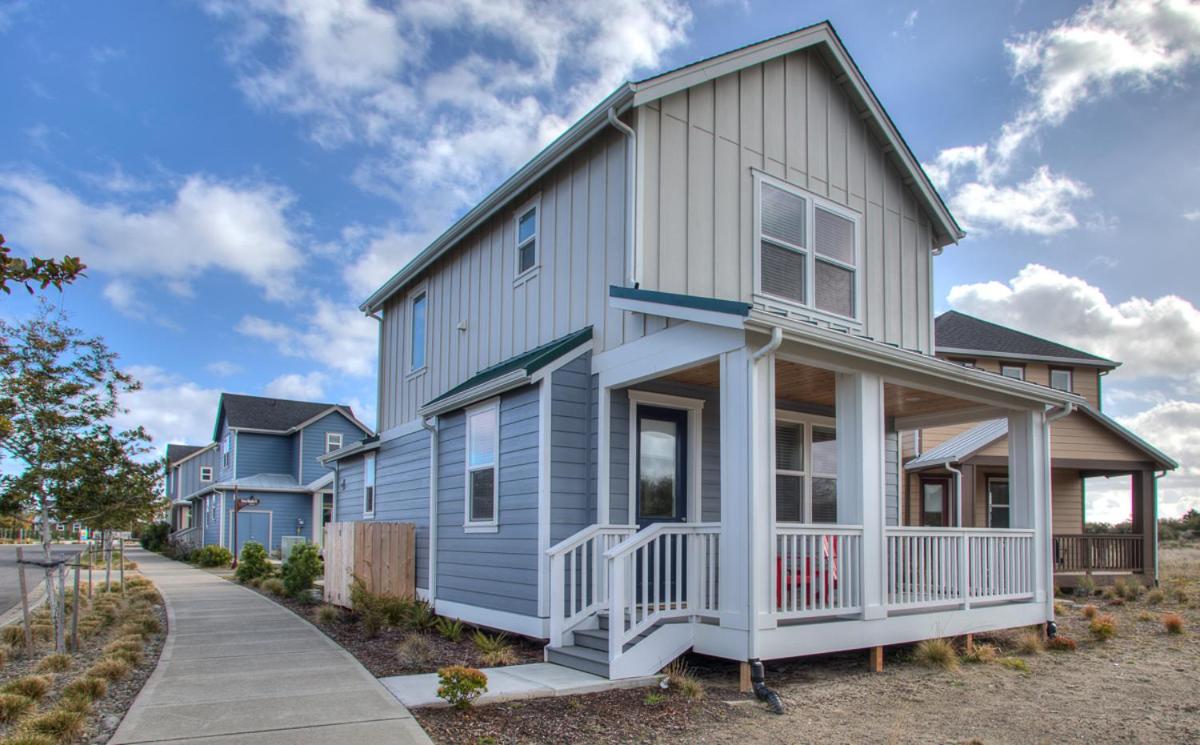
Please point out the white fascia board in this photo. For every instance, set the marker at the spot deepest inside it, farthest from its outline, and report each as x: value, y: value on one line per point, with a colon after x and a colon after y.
x: 667, y: 310
x: 332, y: 409
x: 960, y: 352
x: 352, y: 449
x: 671, y: 349
x: 487, y: 389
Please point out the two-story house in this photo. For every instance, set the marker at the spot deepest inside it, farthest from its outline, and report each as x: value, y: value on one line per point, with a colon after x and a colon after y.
x: 189, y: 468
x: 263, y: 461
x: 958, y: 475
x: 646, y: 396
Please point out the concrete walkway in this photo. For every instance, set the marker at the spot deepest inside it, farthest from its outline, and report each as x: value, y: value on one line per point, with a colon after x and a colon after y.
x: 238, y: 668
x: 535, y: 680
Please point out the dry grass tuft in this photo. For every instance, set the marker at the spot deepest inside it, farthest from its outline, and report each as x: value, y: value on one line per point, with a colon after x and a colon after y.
x: 1156, y: 596
x: 981, y: 654
x: 1061, y: 644
x: 1029, y: 643
x: 62, y: 724
x: 13, y: 706
x: 110, y: 668
x: 326, y: 614
x: 681, y: 679
x: 86, y: 687
x: 1173, y: 623
x: 1015, y: 663
x: 415, y: 649
x: 936, y: 653
x: 1090, y: 611
x: 55, y: 663
x: 1103, y: 627
x: 30, y: 686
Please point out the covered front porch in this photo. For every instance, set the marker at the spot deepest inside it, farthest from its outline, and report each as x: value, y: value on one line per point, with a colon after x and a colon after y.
x: 748, y: 506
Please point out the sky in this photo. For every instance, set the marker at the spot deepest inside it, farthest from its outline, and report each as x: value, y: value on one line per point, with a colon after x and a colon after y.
x: 240, y: 174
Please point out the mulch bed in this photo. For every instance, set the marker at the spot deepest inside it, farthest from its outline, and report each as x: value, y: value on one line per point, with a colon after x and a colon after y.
x: 378, y: 654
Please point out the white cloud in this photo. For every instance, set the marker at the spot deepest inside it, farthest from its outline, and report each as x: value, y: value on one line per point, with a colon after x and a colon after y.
x: 1104, y: 48
x: 1174, y: 428
x: 206, y: 225
x: 337, y: 336
x: 1193, y: 216
x: 310, y: 387
x: 223, y: 368
x: 171, y: 408
x: 1153, y: 338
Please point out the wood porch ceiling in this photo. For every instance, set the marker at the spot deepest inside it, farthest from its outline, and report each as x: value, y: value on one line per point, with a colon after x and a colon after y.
x: 815, y: 385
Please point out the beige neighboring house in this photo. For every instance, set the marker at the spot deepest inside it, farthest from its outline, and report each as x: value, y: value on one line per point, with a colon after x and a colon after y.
x: 964, y: 467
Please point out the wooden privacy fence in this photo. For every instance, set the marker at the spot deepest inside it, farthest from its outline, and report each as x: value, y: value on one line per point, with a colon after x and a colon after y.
x: 1098, y: 552
x: 383, y: 555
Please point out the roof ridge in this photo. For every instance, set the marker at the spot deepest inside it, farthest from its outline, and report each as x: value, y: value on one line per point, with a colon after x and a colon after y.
x: 1010, y: 330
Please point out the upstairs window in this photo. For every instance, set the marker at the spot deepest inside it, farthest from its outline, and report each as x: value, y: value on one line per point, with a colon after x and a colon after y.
x: 417, y: 312
x: 206, y: 473
x: 964, y: 361
x: 527, y: 240
x: 1060, y: 378
x: 483, y: 447
x: 1008, y: 370
x: 807, y: 249
x: 227, y: 450
x: 333, y: 441
x: 369, y: 485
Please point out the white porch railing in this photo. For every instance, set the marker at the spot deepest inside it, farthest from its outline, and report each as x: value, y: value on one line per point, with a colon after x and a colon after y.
x: 818, y: 570
x: 929, y: 567
x: 669, y: 570
x: 186, y: 537
x: 578, y: 576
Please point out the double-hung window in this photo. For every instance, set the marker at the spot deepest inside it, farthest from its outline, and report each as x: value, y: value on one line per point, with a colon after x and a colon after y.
x: 227, y: 450
x: 333, y: 441
x: 998, y: 503
x: 206, y: 473
x: 418, y: 309
x: 1016, y: 372
x: 527, y: 239
x: 483, y: 448
x: 807, y: 250
x: 1060, y: 378
x: 369, y: 485
x: 805, y: 469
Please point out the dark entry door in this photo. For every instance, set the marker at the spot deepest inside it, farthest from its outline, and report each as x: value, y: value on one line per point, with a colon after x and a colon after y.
x: 935, y: 502
x: 661, y: 465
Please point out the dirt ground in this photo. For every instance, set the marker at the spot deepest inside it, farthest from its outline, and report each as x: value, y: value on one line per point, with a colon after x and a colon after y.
x: 1142, y: 686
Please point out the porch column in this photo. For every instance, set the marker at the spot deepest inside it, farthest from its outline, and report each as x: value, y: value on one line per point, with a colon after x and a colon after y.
x: 860, y: 478
x: 1029, y: 490
x: 1145, y: 520
x: 604, y: 448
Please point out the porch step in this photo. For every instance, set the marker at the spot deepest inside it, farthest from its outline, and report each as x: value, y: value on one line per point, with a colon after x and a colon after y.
x: 585, y: 659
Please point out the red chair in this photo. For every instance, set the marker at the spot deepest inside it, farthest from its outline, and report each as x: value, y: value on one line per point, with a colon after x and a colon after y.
x: 799, y: 584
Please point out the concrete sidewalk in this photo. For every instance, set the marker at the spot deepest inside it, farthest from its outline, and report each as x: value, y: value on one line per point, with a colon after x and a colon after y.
x: 237, y: 668
x: 534, y: 680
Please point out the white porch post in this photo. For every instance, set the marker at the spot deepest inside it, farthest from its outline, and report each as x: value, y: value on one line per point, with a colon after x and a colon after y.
x: 1029, y: 486
x: 735, y: 486
x: 604, y: 446
x: 860, y: 481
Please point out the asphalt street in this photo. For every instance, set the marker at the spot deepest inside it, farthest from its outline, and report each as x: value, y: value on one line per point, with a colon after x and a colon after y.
x: 10, y: 585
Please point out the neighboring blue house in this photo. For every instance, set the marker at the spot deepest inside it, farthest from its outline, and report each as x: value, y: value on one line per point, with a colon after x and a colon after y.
x: 266, y: 449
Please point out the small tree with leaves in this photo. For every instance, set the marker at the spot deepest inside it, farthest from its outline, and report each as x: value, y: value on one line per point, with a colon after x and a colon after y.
x: 36, y: 271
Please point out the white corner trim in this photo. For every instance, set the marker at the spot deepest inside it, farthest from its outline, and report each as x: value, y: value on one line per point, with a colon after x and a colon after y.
x: 545, y: 406
x: 695, y: 411
x: 537, y: 628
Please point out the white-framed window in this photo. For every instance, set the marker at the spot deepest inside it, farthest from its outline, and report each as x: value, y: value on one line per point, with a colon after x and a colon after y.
x: 333, y: 441
x: 418, y: 327
x: 1010, y: 370
x: 805, y: 468
x: 998, y: 502
x: 206, y: 473
x: 964, y: 361
x: 526, y: 224
x: 1061, y: 378
x: 227, y: 450
x: 483, y: 455
x: 369, y: 485
x: 806, y: 250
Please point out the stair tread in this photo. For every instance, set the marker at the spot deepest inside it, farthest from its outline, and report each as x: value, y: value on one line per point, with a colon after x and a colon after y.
x: 587, y: 653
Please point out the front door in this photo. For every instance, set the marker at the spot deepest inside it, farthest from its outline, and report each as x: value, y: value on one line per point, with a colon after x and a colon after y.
x: 935, y: 502
x: 661, y: 465
x: 253, y: 526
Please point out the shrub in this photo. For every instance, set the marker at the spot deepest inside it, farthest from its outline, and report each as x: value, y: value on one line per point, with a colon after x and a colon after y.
x: 42, y: 632
x: 1015, y: 663
x: 1173, y: 623
x: 450, y: 628
x: 1155, y: 596
x: 27, y: 738
x: 1061, y: 644
x: 274, y: 585
x: 154, y: 536
x: 86, y: 687
x: 1145, y: 616
x: 415, y: 649
x: 936, y: 653
x: 30, y: 686
x: 110, y: 668
x: 654, y: 698
x: 62, y: 724
x: 1061, y: 609
x: 13, y: 635
x: 1103, y: 627
x: 212, y: 556
x: 680, y: 678
x: 301, y: 569
x: 981, y: 654
x: 420, y: 615
x: 1030, y: 642
x: 1086, y: 586
x: 1127, y: 589
x: 146, y: 623
x: 373, y: 621
x: 252, y: 563
x: 13, y: 706
x: 459, y: 686
x: 327, y: 614
x: 132, y: 656
x: 1090, y: 611
x: 55, y: 663
x: 138, y: 582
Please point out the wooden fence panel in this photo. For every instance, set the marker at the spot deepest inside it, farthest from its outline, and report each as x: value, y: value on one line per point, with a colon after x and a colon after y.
x: 382, y: 554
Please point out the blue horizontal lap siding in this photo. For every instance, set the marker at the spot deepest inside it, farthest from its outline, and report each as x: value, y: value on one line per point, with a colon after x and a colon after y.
x: 210, y: 521
x: 492, y: 570
x: 348, y: 490
x: 258, y: 454
x: 572, y: 466
x: 189, y: 473
x: 311, y: 443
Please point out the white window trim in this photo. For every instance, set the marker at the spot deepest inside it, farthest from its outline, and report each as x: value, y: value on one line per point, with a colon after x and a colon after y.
x: 369, y: 469
x: 695, y: 409
x: 1004, y: 365
x: 330, y: 438
x: 227, y: 449
x: 1070, y: 378
x: 812, y: 201
x: 987, y: 486
x: 413, y: 296
x: 210, y: 474
x: 808, y: 474
x: 520, y: 277
x: 481, y: 526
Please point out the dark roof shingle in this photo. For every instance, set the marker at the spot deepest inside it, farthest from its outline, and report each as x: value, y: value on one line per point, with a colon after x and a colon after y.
x: 275, y: 414
x: 177, y: 452
x: 958, y: 331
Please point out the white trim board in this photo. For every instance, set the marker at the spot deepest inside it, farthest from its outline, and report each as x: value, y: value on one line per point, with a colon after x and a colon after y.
x: 545, y: 414
x: 537, y: 628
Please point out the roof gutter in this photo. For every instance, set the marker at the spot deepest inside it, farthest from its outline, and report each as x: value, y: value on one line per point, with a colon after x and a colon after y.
x: 632, y: 258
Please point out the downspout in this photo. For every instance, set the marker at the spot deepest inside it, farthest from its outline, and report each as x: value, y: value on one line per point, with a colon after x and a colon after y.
x: 632, y: 257
x: 757, y: 672
x: 958, y: 481
x: 1157, y: 476
x: 1051, y: 626
x: 429, y: 424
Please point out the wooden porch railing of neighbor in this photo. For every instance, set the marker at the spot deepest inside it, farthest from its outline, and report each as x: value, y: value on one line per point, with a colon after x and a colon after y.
x: 1098, y: 552
x: 381, y: 554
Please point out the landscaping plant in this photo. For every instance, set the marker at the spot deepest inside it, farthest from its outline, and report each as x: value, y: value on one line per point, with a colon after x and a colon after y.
x: 1015, y: 663
x: 1090, y: 611
x: 62, y: 724
x: 55, y: 663
x: 982, y: 653
x: 274, y: 585
x: 1029, y: 642
x: 30, y: 686
x: 936, y: 653
x: 327, y: 614
x: 252, y: 563
x: 1173, y: 623
x: 460, y: 686
x: 416, y: 650
x: 1061, y: 643
x: 212, y: 556
x: 302, y: 568
x: 154, y: 536
x: 450, y: 628
x: 13, y: 706
x: 1103, y: 627
x: 496, y: 650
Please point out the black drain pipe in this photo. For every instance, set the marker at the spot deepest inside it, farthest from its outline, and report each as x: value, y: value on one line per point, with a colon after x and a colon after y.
x: 1051, y: 629
x: 757, y: 681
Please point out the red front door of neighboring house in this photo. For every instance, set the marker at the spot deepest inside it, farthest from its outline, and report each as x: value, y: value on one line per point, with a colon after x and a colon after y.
x: 935, y: 501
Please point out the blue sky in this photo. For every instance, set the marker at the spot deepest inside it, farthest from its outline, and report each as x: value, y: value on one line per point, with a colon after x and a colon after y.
x: 239, y: 175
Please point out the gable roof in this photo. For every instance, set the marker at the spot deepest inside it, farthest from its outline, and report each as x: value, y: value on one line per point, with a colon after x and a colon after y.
x: 283, y: 415
x: 959, y: 333
x: 820, y: 36
x: 177, y: 452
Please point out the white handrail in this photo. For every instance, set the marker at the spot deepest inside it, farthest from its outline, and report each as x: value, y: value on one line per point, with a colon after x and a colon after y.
x: 578, y: 577
x: 928, y: 567
x: 567, y: 544
x: 648, y: 534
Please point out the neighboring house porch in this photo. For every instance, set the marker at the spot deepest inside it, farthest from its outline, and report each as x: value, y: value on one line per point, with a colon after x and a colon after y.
x: 750, y: 508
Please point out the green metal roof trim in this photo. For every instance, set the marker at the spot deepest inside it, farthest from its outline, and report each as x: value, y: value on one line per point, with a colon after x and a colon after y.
x: 731, y: 307
x: 531, y: 361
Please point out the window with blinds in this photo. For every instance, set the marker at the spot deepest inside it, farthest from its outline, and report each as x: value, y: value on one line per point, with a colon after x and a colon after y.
x: 805, y: 469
